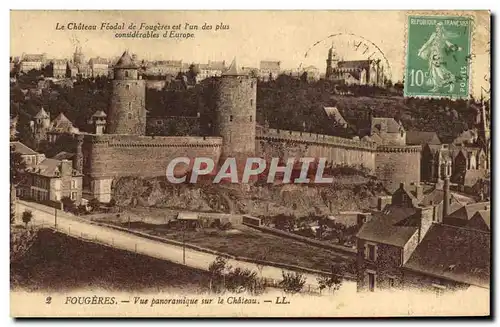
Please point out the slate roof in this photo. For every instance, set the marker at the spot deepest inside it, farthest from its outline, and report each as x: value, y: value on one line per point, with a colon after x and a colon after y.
x: 485, y: 216
x: 392, y: 126
x: 61, y: 124
x: 98, y: 61
x: 216, y: 65
x: 22, y: 148
x: 422, y: 138
x: 436, y: 196
x: 453, y: 253
x: 395, y: 225
x: 125, y: 61
x: 334, y: 113
x: 354, y: 64
x: 47, y: 167
x: 33, y: 58
x: 42, y: 114
x: 271, y: 65
x: 63, y: 155
x: 466, y: 212
x: 233, y: 69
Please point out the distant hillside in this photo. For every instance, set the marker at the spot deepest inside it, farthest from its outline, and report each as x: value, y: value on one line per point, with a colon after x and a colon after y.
x: 285, y: 103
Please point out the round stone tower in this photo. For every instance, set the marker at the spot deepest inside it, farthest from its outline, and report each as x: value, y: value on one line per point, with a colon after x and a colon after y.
x: 235, y: 112
x: 127, y: 111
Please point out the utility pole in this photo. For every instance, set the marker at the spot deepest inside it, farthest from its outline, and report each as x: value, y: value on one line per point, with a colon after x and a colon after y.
x: 55, y: 217
x: 184, y: 242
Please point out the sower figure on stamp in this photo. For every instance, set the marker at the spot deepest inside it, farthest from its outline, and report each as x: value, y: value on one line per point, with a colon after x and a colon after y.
x: 435, y: 50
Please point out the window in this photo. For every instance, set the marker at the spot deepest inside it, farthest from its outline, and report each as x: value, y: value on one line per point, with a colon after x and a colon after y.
x: 73, y: 184
x: 371, y: 252
x: 371, y: 281
x: 127, y: 87
x: 159, y: 122
x: 251, y: 102
x: 73, y: 196
x: 126, y: 73
x: 231, y: 118
x: 129, y: 116
x: 251, y: 119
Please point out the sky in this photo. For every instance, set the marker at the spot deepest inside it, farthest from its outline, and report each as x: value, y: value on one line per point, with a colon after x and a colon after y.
x: 252, y: 36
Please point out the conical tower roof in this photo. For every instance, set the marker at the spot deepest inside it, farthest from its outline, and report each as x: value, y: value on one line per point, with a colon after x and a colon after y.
x: 233, y: 70
x: 125, y: 61
x: 99, y: 114
x: 42, y: 114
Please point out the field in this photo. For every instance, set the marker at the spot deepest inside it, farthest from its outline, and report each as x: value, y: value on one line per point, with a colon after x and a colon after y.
x: 60, y: 263
x: 246, y: 242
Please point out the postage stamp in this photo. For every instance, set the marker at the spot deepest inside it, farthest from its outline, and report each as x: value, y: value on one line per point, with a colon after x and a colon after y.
x: 438, y: 56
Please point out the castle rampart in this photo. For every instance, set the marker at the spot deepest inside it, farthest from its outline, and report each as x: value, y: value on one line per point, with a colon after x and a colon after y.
x: 398, y: 163
x: 337, y: 150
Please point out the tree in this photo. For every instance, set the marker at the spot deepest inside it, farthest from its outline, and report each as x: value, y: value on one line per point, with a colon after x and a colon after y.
x: 94, y: 204
x: 334, y: 279
x: 27, y: 216
x: 292, y: 282
x: 68, y: 204
x: 223, y: 277
x: 303, y: 77
x: 17, y: 167
x: 192, y: 73
x: 239, y: 280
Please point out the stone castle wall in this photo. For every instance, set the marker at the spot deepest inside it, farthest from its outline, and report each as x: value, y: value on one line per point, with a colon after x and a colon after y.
x: 338, y: 151
x: 113, y: 156
x: 398, y: 164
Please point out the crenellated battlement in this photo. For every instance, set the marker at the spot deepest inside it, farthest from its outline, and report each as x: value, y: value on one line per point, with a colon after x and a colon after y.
x: 316, y: 139
x: 400, y: 149
x: 134, y: 141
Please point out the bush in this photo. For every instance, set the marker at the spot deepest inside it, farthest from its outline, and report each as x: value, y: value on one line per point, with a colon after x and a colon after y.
x: 292, y: 282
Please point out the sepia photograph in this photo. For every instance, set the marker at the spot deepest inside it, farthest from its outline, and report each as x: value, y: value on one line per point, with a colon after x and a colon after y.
x: 250, y: 163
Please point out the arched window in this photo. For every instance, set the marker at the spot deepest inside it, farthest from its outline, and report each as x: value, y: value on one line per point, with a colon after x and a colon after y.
x: 126, y: 73
x: 231, y: 118
x: 251, y: 118
x: 129, y: 115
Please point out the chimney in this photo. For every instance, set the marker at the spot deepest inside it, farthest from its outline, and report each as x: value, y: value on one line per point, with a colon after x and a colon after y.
x: 383, y: 201
x: 363, y: 218
x: 419, y: 191
x: 446, y: 197
x: 66, y: 167
x: 402, y: 185
x: 425, y: 215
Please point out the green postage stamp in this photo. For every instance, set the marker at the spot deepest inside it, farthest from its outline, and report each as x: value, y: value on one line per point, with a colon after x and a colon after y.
x: 438, y: 56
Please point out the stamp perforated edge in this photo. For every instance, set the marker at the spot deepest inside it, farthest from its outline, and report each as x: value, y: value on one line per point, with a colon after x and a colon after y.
x: 448, y: 13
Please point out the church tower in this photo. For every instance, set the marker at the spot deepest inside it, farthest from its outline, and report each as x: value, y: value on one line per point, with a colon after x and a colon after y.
x: 127, y: 111
x: 41, y: 125
x: 236, y: 112
x: 78, y: 57
x: 331, y: 63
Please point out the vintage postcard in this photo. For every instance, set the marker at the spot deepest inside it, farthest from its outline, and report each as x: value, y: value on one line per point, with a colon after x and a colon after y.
x: 250, y: 163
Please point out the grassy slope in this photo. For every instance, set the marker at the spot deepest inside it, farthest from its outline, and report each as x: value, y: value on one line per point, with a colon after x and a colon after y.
x: 60, y: 263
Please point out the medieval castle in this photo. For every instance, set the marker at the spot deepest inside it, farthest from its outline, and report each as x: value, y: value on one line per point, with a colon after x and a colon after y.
x: 119, y: 146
